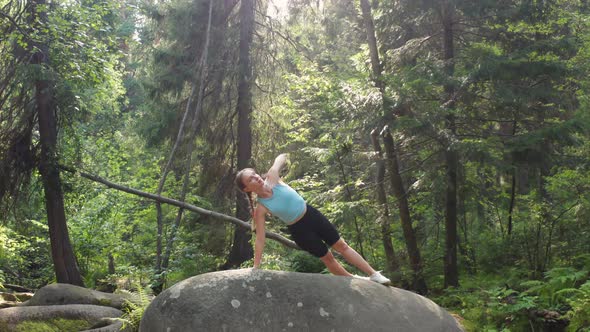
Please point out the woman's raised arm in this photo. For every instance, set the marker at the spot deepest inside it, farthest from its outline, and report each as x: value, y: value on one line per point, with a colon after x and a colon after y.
x: 272, y: 176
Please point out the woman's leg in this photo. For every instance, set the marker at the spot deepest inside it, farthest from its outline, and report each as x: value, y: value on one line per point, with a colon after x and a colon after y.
x: 334, y: 266
x: 353, y: 257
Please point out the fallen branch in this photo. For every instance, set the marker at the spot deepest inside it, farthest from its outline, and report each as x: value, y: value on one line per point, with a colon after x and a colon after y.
x: 279, y: 238
x: 17, y: 288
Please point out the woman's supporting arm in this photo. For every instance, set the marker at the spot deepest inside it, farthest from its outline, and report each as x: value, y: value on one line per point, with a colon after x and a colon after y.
x: 259, y: 220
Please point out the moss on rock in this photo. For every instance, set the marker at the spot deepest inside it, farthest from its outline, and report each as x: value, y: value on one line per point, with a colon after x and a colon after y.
x: 53, y: 325
x: 105, y: 302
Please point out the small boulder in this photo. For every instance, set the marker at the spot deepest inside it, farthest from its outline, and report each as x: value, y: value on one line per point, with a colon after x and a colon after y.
x: 54, y: 318
x: 259, y: 300
x: 55, y: 294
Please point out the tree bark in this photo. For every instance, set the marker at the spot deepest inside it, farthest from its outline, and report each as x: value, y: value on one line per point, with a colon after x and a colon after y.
x: 241, y: 249
x: 64, y: 260
x: 419, y: 283
x: 392, y: 264
x: 450, y: 264
x: 372, y: 41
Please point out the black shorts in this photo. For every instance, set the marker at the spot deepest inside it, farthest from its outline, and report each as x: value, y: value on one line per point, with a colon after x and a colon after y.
x: 314, y: 233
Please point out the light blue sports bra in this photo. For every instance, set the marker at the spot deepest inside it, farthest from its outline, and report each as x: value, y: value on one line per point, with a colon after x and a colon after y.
x: 285, y: 203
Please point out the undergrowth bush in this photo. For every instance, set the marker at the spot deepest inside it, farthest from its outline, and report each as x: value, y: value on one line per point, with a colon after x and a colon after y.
x: 504, y: 304
x: 304, y: 262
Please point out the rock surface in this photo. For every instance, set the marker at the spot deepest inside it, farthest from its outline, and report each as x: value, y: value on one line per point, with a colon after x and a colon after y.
x: 10, y: 318
x: 259, y: 300
x: 56, y: 294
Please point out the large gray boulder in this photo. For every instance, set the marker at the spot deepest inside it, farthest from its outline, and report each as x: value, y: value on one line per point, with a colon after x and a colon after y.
x: 259, y: 300
x: 55, y: 294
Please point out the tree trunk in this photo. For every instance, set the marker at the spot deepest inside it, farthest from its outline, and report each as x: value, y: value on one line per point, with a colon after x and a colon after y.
x: 482, y: 190
x: 512, y: 187
x: 372, y: 41
x: 189, y: 138
x: 241, y: 249
x: 450, y: 264
x: 512, y: 199
x: 111, y: 266
x: 392, y: 264
x: 419, y: 284
x: 159, y: 216
x: 64, y: 260
x: 464, y: 244
x: 348, y: 196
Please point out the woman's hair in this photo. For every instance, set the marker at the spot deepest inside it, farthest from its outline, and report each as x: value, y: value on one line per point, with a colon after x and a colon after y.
x: 241, y: 186
x: 239, y: 178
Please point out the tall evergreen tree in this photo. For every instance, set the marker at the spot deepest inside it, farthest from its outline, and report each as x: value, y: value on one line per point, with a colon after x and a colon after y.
x: 418, y: 282
x: 64, y: 260
x: 241, y: 249
x: 447, y: 14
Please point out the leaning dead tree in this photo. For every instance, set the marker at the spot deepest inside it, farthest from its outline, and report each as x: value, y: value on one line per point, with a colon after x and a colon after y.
x: 162, y: 261
x: 242, y: 224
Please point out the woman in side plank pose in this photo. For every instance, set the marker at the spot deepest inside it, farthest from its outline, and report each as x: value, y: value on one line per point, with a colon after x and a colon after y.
x: 309, y: 228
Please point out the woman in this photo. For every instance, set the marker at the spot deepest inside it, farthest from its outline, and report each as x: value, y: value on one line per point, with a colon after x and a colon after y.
x: 308, y: 227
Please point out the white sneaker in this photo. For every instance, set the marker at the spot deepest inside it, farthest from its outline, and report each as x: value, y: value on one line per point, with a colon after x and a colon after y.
x: 361, y: 277
x: 379, y: 278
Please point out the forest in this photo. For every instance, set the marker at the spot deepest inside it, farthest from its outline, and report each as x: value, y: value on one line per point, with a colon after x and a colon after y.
x: 448, y: 141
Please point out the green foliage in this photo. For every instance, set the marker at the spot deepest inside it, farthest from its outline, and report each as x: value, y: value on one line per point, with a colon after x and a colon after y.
x: 486, y: 306
x: 306, y: 263
x: 190, y: 260
x: 26, y: 255
x: 275, y: 258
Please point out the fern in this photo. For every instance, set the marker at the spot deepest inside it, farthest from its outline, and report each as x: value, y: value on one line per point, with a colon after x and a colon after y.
x: 510, y: 301
x: 134, y: 309
x: 558, y: 283
x: 532, y: 284
x: 582, y: 261
x: 579, y: 315
x: 565, y: 275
